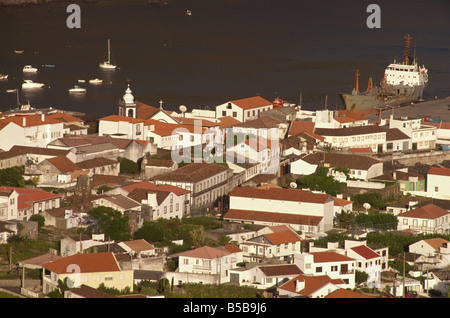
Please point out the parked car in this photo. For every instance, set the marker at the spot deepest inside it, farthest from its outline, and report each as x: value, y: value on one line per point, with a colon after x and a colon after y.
x: 411, y: 294
x: 434, y: 292
x: 387, y: 295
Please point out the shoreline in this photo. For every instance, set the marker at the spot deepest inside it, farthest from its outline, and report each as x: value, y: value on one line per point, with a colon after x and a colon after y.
x: 22, y: 3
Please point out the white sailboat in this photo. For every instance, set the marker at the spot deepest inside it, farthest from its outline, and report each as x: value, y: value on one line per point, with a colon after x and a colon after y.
x: 107, y: 64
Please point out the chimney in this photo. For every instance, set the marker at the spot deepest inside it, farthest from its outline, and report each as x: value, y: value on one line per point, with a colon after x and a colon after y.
x: 24, y: 121
x: 43, y: 117
x: 299, y: 285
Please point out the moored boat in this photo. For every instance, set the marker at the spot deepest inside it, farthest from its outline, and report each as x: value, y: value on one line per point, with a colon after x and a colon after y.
x: 31, y: 84
x: 29, y: 69
x: 108, y: 65
x: 77, y: 89
x: 95, y: 81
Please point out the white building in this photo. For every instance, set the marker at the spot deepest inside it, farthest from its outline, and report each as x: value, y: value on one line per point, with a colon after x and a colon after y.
x: 244, y: 109
x: 121, y: 127
x: 369, y: 136
x: 435, y: 252
x: 332, y: 264
x: 303, y: 210
x: 426, y: 219
x: 30, y: 130
x: 437, y: 183
x: 422, y: 136
x: 210, y: 260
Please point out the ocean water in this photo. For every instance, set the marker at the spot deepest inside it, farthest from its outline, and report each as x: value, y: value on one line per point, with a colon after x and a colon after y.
x: 227, y: 49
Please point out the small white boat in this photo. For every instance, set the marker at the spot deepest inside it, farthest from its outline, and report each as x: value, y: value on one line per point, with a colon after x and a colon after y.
x: 108, y: 64
x: 11, y: 90
x: 81, y: 81
x: 30, y: 69
x: 95, y: 81
x: 31, y: 84
x: 3, y: 76
x: 188, y: 12
x: 18, y: 51
x: 77, y: 89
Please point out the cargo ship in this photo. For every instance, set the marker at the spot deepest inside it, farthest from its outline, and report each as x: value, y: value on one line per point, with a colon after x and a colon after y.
x: 403, y: 83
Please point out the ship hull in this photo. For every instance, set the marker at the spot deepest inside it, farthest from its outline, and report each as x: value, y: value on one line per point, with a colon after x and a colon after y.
x: 394, y: 96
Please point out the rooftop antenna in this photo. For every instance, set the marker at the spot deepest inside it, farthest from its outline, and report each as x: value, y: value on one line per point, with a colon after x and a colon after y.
x: 161, y: 104
x: 182, y: 109
x: 326, y: 101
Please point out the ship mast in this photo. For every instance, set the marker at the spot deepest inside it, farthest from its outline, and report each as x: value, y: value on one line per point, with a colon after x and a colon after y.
x: 407, y: 47
x: 357, y: 80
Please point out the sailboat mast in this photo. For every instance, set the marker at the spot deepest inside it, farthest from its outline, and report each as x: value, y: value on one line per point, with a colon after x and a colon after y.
x: 109, y: 52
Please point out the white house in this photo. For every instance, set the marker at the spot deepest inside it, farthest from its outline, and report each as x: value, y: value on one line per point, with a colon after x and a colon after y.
x: 333, y: 264
x: 437, y: 183
x: 422, y: 136
x: 165, y: 201
x: 263, y: 276
x: 210, y: 260
x: 426, y: 219
x: 341, y: 166
x: 302, y: 210
x: 368, y: 136
x: 138, y: 248
x: 244, y: 109
x: 279, y: 245
x: 9, y: 199
x: 121, y: 127
x: 29, y: 130
x: 435, y: 252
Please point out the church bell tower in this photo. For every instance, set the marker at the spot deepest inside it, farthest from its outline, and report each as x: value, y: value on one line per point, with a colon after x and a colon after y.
x: 127, y: 105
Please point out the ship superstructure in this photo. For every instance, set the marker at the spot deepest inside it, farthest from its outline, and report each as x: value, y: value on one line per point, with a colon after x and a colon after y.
x: 403, y: 83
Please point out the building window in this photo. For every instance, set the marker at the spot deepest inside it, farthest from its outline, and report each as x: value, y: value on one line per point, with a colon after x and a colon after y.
x: 319, y: 269
x: 436, y: 189
x: 224, y: 113
x: 234, y: 114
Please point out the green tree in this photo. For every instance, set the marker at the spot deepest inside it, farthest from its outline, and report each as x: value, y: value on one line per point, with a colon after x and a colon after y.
x: 128, y: 166
x: 12, y: 177
x: 346, y: 219
x: 321, y: 181
x: 111, y: 222
x: 39, y: 219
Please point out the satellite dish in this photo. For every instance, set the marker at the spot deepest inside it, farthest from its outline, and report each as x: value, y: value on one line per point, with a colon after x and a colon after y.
x: 182, y: 108
x: 293, y: 185
x: 366, y: 206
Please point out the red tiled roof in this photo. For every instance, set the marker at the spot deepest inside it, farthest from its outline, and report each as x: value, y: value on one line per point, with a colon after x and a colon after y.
x: 31, y: 195
x: 346, y: 293
x: 439, y: 171
x: 151, y: 186
x: 312, y: 283
x: 281, y: 270
x: 139, y: 245
x: 227, y: 122
x: 30, y: 120
x: 252, y: 102
x: 365, y: 252
x: 87, y: 263
x: 205, y: 252
x: 326, y: 257
x: 281, y: 194
x: 122, y: 118
x: 63, y: 164
x: 283, y: 237
x: 429, y: 211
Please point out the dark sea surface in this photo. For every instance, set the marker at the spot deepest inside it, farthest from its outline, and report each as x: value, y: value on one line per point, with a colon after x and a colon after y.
x: 227, y: 49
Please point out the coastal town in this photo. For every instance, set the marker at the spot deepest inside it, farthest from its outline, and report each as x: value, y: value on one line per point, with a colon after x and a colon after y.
x: 269, y: 199
x: 253, y: 199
